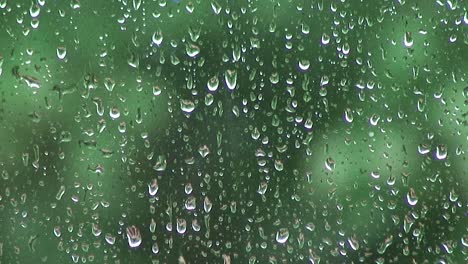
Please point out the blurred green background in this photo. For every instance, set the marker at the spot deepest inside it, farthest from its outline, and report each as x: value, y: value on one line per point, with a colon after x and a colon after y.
x: 276, y: 131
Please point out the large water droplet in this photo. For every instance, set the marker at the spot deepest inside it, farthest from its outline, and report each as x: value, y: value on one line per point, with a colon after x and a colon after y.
x: 230, y: 77
x: 213, y: 83
x: 411, y: 197
x: 133, y: 236
x: 187, y: 106
x: 282, y: 235
x: 408, y: 39
x: 441, y: 152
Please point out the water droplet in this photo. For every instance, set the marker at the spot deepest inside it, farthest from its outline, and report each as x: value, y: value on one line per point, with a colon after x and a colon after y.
x: 57, y: 231
x: 109, y: 84
x: 133, y: 236
x: 411, y: 197
x: 61, y: 52
x: 136, y: 4
x: 216, y: 7
x: 385, y: 244
x: 114, y: 113
x: 213, y: 84
x: 330, y: 164
x: 353, y: 243
x: 441, y: 152
x: 207, y: 205
x: 348, y: 115
x: 204, y: 151
x: 181, y: 226
x: 96, y: 230
x: 191, y: 203
x: 325, y: 39
x: 304, y: 64
x: 374, y: 119
x: 230, y: 77
x: 282, y: 235
x: 424, y: 148
x: 192, y: 50
x: 274, y: 78
x: 110, y: 239
x: 408, y: 39
x: 34, y: 10
x: 153, y: 187
x: 157, y: 37
x: 60, y: 193
x: 155, y: 248
x: 187, y: 106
